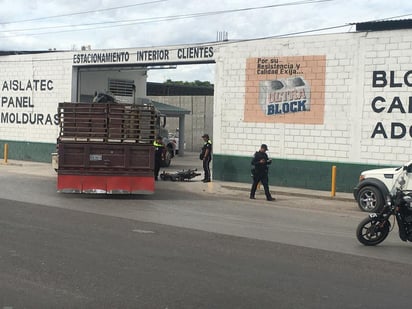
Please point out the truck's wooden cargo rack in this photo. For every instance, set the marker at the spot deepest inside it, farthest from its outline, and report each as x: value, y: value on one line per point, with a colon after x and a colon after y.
x: 107, y: 122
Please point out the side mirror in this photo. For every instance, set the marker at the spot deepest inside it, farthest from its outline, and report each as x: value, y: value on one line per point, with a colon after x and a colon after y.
x: 408, y: 168
x: 407, y: 198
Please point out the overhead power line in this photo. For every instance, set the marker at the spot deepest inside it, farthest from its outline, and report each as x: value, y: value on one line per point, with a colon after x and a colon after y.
x: 112, y: 24
x: 80, y: 13
x: 221, y: 43
x: 123, y: 23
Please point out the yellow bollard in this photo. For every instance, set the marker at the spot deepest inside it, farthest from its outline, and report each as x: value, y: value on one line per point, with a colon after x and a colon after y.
x: 6, y: 153
x: 333, y: 189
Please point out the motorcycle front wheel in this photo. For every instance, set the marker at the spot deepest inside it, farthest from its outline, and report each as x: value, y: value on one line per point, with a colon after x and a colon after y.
x: 371, y: 231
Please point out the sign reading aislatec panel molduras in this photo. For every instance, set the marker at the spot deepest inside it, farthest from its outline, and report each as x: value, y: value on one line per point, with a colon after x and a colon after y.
x: 17, y: 104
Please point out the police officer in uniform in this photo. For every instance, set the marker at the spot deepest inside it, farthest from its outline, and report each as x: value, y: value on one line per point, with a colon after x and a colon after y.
x: 260, y: 172
x: 159, y: 148
x: 206, y: 156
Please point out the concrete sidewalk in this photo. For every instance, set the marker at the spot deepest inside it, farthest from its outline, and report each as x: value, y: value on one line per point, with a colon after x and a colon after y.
x: 191, y: 160
x: 188, y: 161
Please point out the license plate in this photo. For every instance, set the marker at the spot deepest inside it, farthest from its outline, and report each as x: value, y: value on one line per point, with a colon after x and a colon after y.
x: 95, y: 157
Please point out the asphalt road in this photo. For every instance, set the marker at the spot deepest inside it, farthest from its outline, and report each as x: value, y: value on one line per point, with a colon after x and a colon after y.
x: 186, y: 248
x: 57, y: 258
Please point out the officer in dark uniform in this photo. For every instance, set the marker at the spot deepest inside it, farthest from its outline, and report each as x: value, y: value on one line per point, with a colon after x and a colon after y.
x: 260, y: 172
x: 206, y: 156
x: 159, y: 149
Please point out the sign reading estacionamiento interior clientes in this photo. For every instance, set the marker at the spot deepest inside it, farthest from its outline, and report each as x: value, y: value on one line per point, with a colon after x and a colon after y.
x: 146, y: 56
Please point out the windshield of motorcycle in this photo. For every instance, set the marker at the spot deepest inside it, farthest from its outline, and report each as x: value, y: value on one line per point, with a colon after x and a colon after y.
x: 401, y: 181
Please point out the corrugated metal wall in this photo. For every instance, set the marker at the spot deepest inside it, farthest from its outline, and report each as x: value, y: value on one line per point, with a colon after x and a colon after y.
x: 200, y: 120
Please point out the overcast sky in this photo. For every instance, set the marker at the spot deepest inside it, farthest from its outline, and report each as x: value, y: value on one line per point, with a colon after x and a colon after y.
x: 108, y: 24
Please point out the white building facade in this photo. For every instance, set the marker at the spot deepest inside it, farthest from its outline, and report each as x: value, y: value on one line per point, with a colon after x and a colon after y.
x: 317, y: 101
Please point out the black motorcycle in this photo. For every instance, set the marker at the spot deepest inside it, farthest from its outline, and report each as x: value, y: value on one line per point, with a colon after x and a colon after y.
x: 376, y: 227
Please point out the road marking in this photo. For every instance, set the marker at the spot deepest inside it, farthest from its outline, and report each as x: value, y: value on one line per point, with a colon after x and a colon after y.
x: 143, y: 231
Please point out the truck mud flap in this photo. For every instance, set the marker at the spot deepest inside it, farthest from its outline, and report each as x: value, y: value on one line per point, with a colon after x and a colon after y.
x: 99, y: 184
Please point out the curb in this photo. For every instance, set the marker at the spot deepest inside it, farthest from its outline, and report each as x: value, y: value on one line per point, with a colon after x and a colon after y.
x: 288, y: 193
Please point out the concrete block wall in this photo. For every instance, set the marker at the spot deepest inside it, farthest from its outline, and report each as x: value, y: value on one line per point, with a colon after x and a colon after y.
x: 35, y: 121
x: 387, y: 54
x: 30, y: 87
x: 345, y: 133
x: 359, y: 112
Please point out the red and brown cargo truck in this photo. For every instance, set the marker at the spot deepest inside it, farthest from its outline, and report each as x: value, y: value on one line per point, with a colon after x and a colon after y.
x: 106, y: 148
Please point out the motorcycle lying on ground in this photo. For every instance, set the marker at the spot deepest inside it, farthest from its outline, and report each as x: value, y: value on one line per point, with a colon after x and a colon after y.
x: 376, y: 227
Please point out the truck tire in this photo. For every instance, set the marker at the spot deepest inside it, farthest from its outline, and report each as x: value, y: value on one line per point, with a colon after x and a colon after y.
x: 370, y: 199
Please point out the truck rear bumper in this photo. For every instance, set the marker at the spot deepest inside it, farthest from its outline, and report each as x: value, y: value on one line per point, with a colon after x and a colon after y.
x: 101, y: 184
